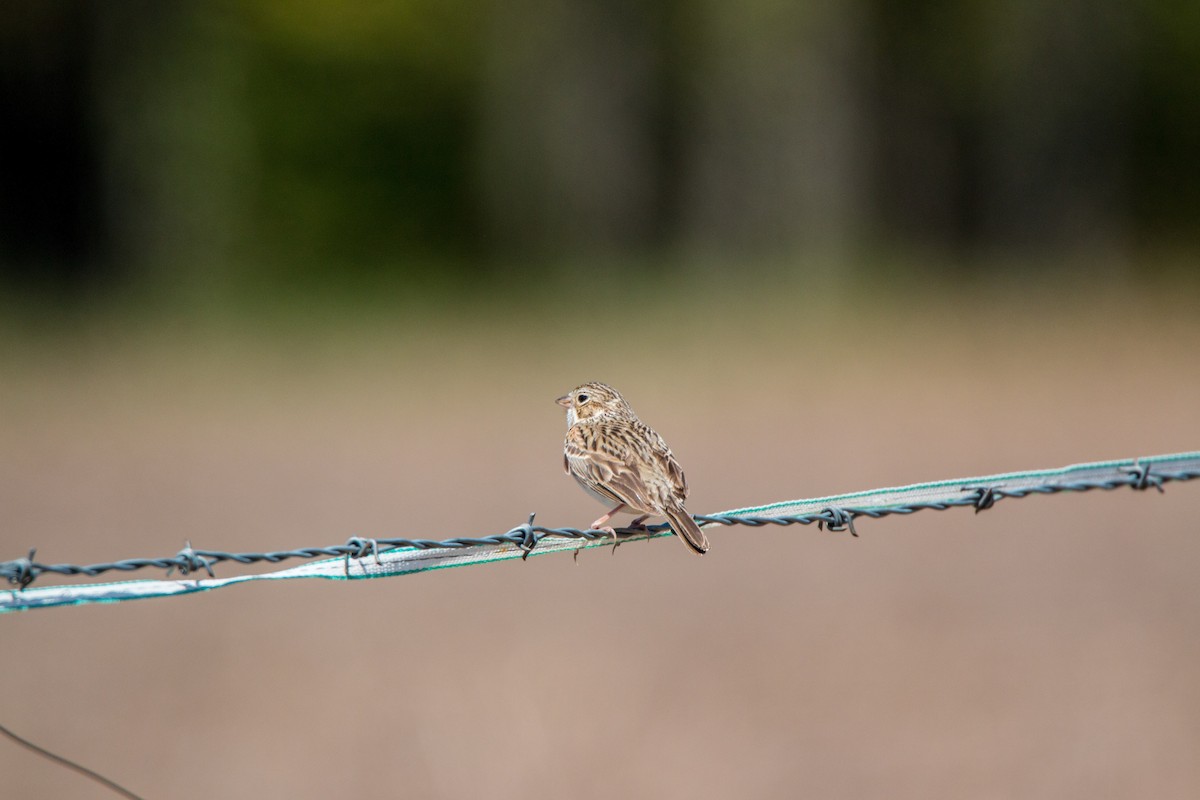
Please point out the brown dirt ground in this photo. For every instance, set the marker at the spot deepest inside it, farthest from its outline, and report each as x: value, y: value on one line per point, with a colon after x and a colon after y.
x: 1048, y: 648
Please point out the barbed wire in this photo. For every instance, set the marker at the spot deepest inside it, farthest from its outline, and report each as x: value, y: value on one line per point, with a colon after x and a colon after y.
x: 22, y: 572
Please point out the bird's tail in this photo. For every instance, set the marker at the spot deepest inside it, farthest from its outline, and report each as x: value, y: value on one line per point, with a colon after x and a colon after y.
x: 687, y: 530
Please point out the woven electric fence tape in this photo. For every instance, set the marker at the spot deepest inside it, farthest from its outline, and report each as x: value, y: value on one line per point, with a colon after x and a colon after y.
x: 837, y: 513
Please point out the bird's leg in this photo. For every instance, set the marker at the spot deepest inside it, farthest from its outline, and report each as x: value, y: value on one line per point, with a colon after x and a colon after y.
x: 601, y: 524
x: 640, y: 523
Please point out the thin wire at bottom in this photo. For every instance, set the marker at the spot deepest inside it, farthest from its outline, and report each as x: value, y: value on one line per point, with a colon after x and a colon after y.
x: 66, y: 762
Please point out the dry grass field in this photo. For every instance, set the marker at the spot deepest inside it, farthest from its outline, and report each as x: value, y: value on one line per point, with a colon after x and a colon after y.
x: 1048, y: 648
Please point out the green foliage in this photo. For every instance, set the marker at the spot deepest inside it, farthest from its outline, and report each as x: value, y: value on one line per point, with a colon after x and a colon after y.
x: 247, y: 145
x: 362, y: 120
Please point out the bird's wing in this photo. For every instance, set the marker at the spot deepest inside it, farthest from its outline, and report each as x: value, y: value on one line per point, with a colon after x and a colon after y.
x: 605, y: 471
x: 674, y: 471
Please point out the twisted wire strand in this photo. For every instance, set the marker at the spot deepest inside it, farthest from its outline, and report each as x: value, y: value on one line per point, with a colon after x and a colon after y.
x: 22, y: 572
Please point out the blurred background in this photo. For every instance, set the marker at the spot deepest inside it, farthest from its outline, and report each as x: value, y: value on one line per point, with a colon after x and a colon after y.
x: 274, y: 274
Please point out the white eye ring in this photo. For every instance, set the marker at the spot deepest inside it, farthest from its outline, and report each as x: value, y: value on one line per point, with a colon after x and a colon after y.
x: 583, y: 398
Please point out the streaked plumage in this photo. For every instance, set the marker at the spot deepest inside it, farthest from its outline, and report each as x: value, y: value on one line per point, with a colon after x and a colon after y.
x: 624, y: 463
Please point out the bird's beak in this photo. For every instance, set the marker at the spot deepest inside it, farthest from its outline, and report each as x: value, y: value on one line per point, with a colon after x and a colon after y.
x: 564, y: 401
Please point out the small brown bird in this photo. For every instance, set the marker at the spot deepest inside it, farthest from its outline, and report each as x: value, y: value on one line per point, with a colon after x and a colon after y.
x: 623, y: 463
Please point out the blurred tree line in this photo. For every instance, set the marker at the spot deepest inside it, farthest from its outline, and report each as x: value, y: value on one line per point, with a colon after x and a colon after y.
x: 270, y: 142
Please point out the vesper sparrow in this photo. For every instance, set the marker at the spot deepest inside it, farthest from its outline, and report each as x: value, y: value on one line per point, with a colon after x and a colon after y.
x: 623, y: 463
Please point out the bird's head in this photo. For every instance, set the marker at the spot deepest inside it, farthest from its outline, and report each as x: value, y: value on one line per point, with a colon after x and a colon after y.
x: 592, y: 400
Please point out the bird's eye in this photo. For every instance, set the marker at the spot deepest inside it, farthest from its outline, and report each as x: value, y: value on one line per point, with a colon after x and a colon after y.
x: 583, y: 398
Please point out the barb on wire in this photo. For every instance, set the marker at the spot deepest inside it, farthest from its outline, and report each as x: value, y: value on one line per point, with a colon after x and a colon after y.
x: 529, y: 537
x: 1144, y: 479
x: 362, y: 548
x: 21, y: 572
x: 985, y: 497
x: 189, y: 561
x: 839, y: 519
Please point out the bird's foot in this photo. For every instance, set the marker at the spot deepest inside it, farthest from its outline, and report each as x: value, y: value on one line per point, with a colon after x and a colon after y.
x: 609, y: 529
